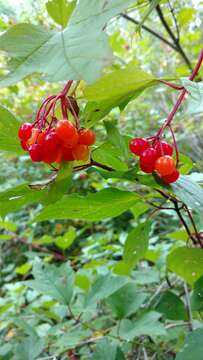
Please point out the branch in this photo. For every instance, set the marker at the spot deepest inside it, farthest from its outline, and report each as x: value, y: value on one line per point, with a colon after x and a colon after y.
x: 175, y: 40
x: 152, y: 32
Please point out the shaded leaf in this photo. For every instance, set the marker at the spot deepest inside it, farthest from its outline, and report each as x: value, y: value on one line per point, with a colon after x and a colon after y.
x: 171, y: 306
x: 9, y: 126
x: 187, y: 263
x: 127, y: 300
x: 54, y: 281
x: 192, y: 348
x: 74, y: 53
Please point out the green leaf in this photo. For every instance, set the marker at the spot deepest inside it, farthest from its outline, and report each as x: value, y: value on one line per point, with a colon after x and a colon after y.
x: 171, y: 306
x: 104, y: 286
x: 131, y: 79
x: 103, y: 95
x: 108, y: 154
x: 29, y: 349
x: 197, y: 295
x: 9, y: 126
x: 82, y: 281
x: 186, y: 164
x: 152, y: 6
x: 105, y: 350
x: 126, y: 301
x: 187, y: 263
x: 189, y: 192
x: 98, y: 206
x: 192, y: 348
x: 145, y: 324
x: 136, y: 244
x: 117, y: 140
x: 60, y: 10
x: 61, y: 184
x: 74, y: 53
x: 23, y: 269
x: 8, y: 225
x: 65, y: 241
x: 185, y: 16
x: 195, y: 98
x: 54, y: 281
x: 15, y: 198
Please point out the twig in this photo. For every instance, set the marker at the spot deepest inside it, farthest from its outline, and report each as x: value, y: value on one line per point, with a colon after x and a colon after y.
x: 152, y: 32
x: 175, y: 40
x: 175, y: 20
x: 189, y: 310
x: 145, y: 356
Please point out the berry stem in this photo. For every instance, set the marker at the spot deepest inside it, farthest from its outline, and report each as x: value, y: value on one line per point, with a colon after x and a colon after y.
x: 175, y: 144
x: 180, y: 98
x: 171, y: 85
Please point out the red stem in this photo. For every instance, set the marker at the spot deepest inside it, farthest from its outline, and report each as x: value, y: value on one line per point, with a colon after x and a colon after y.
x: 180, y: 98
x: 171, y: 85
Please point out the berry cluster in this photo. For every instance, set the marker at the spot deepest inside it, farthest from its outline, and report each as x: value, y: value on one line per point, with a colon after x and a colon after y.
x: 155, y: 157
x: 53, y: 141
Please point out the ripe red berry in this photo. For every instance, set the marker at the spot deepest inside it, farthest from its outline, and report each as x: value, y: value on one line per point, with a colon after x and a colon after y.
x: 81, y: 152
x: 86, y: 137
x: 51, y: 141
x: 138, y: 145
x: 67, y: 154
x: 25, y: 131
x: 168, y: 179
x: 163, y: 148
x: 67, y: 132
x: 165, y: 165
x: 36, y: 152
x: 40, y: 138
x: 24, y: 145
x: 148, y: 159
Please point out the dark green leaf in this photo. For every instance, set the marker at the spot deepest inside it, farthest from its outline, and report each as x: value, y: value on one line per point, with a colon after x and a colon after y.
x: 192, y: 348
x: 197, y: 295
x: 101, y: 205
x: 104, y: 286
x: 127, y: 300
x: 171, y: 306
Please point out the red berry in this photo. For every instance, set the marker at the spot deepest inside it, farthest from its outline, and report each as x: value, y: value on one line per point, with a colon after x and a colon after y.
x: 52, y: 156
x: 168, y: 179
x: 36, y: 152
x: 138, y: 145
x: 24, y: 145
x: 69, y: 353
x: 165, y: 165
x: 163, y: 148
x: 148, y: 159
x: 86, y: 137
x: 81, y: 152
x: 67, y: 154
x: 40, y: 138
x: 67, y: 132
x: 51, y: 141
x: 25, y: 131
